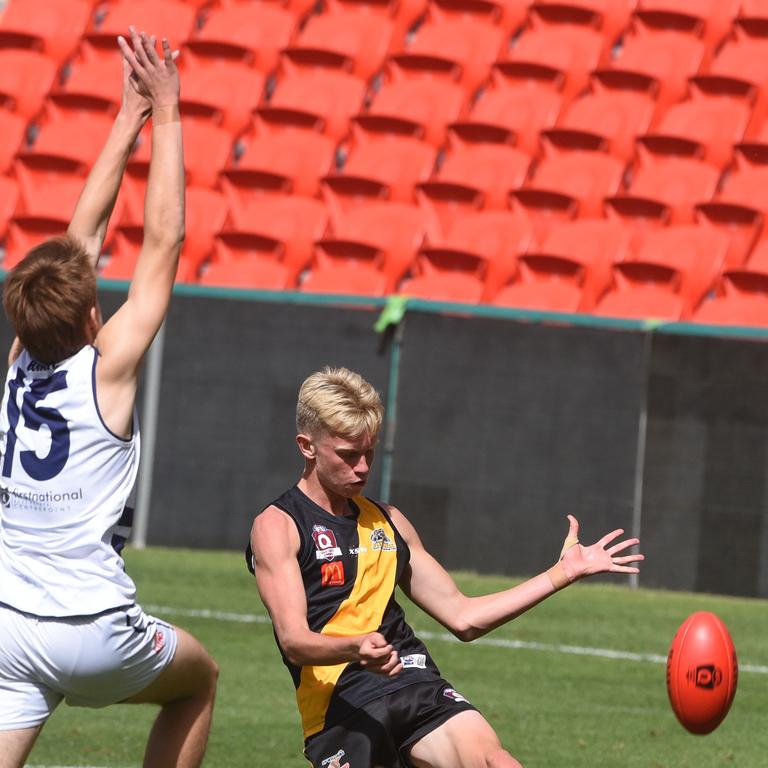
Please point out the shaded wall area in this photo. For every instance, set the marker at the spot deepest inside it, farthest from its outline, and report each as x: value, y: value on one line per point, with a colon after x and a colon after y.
x: 501, y: 426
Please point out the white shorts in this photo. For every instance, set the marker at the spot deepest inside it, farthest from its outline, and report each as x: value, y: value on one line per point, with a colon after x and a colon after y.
x: 90, y: 661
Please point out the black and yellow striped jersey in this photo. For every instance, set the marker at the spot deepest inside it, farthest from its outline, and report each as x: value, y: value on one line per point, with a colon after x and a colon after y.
x: 350, y: 566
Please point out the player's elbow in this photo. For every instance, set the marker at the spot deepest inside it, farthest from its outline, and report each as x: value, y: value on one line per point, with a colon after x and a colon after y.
x: 464, y: 631
x: 293, y: 652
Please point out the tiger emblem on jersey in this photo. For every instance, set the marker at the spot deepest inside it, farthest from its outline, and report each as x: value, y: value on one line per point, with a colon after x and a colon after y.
x: 380, y: 540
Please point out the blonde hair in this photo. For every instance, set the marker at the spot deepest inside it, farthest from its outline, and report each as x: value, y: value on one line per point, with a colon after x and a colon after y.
x: 339, y: 401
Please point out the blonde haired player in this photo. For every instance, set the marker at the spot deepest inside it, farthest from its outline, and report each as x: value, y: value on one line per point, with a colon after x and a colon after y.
x: 70, y: 627
x: 327, y: 560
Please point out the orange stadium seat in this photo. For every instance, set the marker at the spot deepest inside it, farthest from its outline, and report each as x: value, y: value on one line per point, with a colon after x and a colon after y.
x: 26, y: 78
x: 403, y: 13
x: 56, y: 32
x: 594, y: 244
x: 551, y: 283
x: 698, y: 253
x: 124, y: 247
x: 223, y: 91
x: 498, y: 237
x: 90, y: 86
x: 561, y: 55
x: 665, y: 189
x: 758, y: 257
x: 356, y: 276
x: 323, y: 100
x: 461, y: 49
x: 420, y: 107
x: 609, y: 16
x: 659, y: 58
x: 279, y: 228
x: 379, y: 166
x: 740, y: 67
x: 510, y: 15
x: 13, y: 129
x: 9, y: 200
x: 740, y: 298
x: 739, y: 208
x: 394, y: 230
x: 567, y: 185
x: 512, y: 113
x: 471, y: 177
x: 254, y: 33
x: 643, y: 291
x: 24, y: 233
x: 713, y: 17
x: 754, y: 9
x: 69, y: 145
x: 286, y: 162
x: 207, y: 211
x: 703, y: 127
x: 346, y: 39
x: 207, y: 149
x: 171, y: 18
x: 606, y: 120
x: 246, y: 273
x: 444, y: 275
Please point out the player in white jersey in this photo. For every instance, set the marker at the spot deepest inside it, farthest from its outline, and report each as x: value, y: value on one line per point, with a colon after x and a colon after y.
x: 70, y: 627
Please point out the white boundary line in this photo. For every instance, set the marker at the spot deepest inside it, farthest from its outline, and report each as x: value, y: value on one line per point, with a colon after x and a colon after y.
x: 576, y: 650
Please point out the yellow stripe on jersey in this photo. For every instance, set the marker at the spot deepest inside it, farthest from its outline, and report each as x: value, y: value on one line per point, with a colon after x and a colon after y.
x: 360, y: 613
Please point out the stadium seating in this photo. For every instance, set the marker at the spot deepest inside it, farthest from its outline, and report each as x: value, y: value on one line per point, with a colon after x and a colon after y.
x: 511, y: 112
x: 287, y: 162
x: 24, y: 233
x: 13, y: 129
x: 740, y: 298
x: 346, y: 39
x: 545, y: 283
x: 609, y: 16
x: 562, y: 56
x: 379, y: 167
x: 510, y: 15
x: 567, y: 185
x: 90, y: 86
x: 280, y: 228
x: 421, y: 107
x: 9, y: 200
x: 461, y: 49
x: 26, y: 78
x: 712, y: 17
x: 253, y: 33
x: 244, y: 272
x: 221, y: 90
x: 174, y: 18
x: 355, y: 276
x: 404, y: 14
x: 395, y: 230
x: 443, y: 275
x: 572, y: 267
x: 56, y: 32
x: 496, y: 237
x: 471, y: 177
x: 322, y: 100
x: 643, y: 291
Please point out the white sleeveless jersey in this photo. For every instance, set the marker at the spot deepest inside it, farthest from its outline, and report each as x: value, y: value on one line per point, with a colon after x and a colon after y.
x: 64, y: 482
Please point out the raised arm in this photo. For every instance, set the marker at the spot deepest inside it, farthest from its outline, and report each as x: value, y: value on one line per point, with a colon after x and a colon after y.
x: 97, y: 200
x: 125, y: 338
x: 275, y: 544
x: 432, y: 588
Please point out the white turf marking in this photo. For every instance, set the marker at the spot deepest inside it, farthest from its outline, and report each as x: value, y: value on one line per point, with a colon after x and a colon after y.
x: 576, y: 650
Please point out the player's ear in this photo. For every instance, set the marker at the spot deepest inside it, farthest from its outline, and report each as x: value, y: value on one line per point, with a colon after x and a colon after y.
x: 306, y: 446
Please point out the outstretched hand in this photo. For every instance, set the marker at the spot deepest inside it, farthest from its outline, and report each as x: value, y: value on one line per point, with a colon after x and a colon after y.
x: 579, y: 560
x: 154, y: 79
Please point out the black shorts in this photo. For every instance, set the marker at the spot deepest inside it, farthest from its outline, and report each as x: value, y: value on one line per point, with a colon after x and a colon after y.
x: 381, y: 732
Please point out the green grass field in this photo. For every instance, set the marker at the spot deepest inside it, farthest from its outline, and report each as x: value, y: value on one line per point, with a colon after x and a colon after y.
x: 542, y: 681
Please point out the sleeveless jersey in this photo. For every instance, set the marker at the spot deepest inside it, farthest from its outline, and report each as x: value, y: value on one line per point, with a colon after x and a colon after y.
x: 350, y: 567
x: 64, y: 482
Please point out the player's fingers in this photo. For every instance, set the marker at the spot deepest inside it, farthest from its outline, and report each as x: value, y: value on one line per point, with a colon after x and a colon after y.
x: 128, y: 53
x: 622, y: 545
x: 573, y: 529
x: 628, y: 559
x: 395, y: 670
x: 169, y: 55
x: 609, y: 537
x: 624, y: 569
x: 148, y: 45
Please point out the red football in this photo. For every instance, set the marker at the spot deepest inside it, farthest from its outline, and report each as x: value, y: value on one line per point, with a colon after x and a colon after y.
x: 702, y: 672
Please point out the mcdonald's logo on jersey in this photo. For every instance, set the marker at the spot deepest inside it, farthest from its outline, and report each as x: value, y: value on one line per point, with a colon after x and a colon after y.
x: 332, y: 574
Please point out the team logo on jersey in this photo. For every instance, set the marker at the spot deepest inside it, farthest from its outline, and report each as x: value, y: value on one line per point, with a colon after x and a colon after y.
x: 381, y: 541
x: 334, y: 761
x: 414, y: 661
x: 454, y: 695
x: 5, y: 496
x: 332, y: 574
x: 325, y: 543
